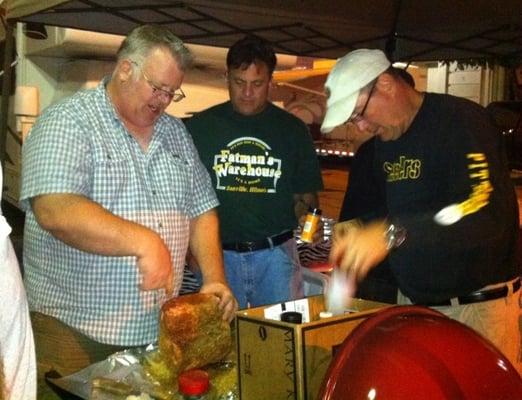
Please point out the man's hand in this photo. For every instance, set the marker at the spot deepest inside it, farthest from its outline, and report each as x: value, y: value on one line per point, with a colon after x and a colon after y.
x: 227, y: 301
x: 155, y: 264
x: 360, y: 249
x: 341, y: 229
x: 206, y: 249
x: 85, y: 225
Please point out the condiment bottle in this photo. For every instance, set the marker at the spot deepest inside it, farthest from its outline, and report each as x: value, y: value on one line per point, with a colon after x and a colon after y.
x: 310, y: 226
x: 193, y: 384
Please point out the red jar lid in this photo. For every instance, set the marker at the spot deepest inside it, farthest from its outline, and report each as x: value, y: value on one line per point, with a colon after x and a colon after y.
x: 193, y: 382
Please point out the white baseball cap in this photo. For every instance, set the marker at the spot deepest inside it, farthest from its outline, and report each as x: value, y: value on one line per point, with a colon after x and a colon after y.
x: 350, y: 74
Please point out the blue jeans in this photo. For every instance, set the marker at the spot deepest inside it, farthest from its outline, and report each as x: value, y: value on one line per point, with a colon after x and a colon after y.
x: 265, y: 276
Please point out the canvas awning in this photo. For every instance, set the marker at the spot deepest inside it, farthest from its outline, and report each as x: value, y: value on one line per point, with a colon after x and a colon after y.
x: 408, y: 30
x: 13, y: 9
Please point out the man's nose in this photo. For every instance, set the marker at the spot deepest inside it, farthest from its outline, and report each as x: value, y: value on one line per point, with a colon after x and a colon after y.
x: 364, y: 125
x: 248, y: 90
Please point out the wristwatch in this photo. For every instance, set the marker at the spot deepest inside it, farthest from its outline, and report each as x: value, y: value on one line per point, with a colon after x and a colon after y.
x: 395, y: 235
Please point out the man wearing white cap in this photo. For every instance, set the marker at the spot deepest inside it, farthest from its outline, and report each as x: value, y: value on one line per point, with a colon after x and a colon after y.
x: 451, y: 232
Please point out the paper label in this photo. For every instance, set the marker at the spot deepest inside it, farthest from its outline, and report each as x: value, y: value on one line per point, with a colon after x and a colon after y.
x: 301, y: 306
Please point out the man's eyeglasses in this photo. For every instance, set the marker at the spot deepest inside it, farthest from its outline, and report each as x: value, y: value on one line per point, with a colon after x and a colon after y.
x: 356, y: 117
x: 169, y: 96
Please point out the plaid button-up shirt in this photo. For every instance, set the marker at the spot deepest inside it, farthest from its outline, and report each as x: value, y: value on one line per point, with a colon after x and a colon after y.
x: 80, y: 146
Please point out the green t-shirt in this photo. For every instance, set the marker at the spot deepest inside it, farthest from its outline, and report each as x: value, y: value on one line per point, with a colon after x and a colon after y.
x: 256, y: 163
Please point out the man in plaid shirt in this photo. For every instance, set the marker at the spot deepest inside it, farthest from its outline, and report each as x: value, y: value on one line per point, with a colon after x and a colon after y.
x: 114, y: 194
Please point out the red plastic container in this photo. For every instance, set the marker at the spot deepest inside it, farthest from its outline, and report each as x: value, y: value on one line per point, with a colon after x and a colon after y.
x: 193, y: 384
x: 413, y: 352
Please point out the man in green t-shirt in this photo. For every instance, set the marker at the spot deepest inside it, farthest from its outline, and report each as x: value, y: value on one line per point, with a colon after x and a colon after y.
x: 266, y: 175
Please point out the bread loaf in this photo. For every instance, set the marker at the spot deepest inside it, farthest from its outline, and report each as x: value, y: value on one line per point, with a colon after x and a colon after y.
x: 192, y: 332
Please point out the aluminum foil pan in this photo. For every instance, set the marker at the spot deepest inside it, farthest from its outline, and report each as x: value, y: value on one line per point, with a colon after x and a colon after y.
x: 122, y: 367
x: 124, y: 370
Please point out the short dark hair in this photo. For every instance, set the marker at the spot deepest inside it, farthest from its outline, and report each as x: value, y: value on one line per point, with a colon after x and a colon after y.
x: 251, y: 50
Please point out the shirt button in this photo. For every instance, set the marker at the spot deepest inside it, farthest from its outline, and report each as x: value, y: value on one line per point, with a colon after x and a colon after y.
x: 154, y: 192
x: 160, y: 225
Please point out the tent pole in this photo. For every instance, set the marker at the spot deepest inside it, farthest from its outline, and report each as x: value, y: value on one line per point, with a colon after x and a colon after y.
x: 6, y: 86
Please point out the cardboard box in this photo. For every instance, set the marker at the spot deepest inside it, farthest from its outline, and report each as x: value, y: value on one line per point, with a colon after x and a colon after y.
x: 279, y: 360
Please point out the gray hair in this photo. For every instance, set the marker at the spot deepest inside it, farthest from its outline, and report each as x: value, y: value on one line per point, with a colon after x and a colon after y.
x: 141, y: 40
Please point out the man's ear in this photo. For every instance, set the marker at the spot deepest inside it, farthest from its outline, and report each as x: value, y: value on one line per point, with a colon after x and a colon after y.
x: 385, y: 82
x: 272, y: 84
x: 124, y: 71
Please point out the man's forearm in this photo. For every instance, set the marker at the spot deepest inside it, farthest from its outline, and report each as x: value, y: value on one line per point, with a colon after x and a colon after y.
x: 205, y: 246
x: 85, y: 225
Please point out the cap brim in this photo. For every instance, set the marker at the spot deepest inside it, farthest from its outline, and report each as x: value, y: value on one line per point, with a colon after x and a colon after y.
x: 338, y: 113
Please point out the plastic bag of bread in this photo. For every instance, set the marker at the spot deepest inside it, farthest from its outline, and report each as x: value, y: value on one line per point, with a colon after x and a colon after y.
x: 192, y: 334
